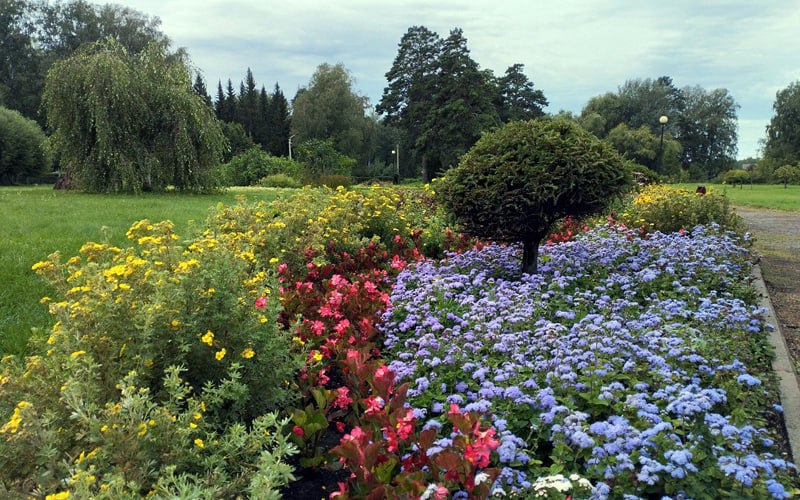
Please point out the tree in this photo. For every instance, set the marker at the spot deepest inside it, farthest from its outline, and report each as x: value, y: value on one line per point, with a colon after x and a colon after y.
x: 20, y: 61
x: 642, y: 146
x: 517, y: 99
x: 736, y: 177
x: 787, y: 174
x: 462, y: 107
x: 124, y: 122
x: 782, y: 146
x: 279, y: 124
x: 22, y: 151
x: 329, y: 108
x: 516, y: 182
x: 199, y: 87
x: 707, y: 131
x: 408, y: 98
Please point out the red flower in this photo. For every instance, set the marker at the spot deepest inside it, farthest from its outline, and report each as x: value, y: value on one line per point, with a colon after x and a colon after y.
x: 298, y: 430
x: 478, y: 455
x: 340, y: 426
x: 261, y: 303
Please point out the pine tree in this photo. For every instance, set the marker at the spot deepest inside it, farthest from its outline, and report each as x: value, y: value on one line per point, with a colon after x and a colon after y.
x: 229, y: 109
x: 279, y: 123
x: 200, y: 89
x: 219, y: 106
x: 407, y: 100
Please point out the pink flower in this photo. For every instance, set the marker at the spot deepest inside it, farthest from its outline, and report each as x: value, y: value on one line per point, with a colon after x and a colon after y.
x: 261, y: 303
x: 374, y: 405
x: 298, y: 431
x: 282, y: 268
x: 454, y: 410
x: 342, y: 399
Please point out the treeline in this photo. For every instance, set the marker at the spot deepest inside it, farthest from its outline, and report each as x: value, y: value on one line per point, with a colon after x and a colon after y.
x: 438, y: 101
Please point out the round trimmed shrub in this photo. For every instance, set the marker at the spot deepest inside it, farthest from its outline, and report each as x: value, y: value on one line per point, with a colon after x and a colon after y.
x: 516, y: 182
x: 248, y: 168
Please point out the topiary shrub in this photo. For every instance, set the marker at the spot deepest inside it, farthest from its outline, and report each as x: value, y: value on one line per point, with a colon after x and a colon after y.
x: 516, y: 182
x: 22, y: 153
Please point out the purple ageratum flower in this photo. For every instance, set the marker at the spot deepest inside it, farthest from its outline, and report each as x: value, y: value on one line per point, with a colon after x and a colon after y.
x: 748, y: 380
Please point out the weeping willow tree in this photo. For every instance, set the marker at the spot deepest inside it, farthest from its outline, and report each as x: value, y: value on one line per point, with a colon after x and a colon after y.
x: 125, y: 123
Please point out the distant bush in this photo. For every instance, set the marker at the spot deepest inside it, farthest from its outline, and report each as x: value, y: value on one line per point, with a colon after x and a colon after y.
x: 334, y: 181
x: 238, y: 140
x: 22, y: 151
x: 248, y: 168
x: 320, y: 158
x: 280, y: 181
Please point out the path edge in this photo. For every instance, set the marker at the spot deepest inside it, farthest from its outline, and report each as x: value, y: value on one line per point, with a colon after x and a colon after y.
x: 783, y: 366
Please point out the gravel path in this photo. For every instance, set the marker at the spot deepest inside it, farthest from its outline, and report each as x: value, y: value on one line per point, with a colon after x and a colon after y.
x: 777, y: 237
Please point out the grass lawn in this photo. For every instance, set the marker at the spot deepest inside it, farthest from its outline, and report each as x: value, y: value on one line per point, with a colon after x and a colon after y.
x: 757, y: 195
x: 37, y: 221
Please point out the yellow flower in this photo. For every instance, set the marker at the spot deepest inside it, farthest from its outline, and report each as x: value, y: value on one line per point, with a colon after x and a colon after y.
x: 220, y: 354
x: 63, y: 495
x: 199, y: 443
x: 104, y: 428
x: 317, y: 356
x: 192, y: 425
x: 248, y: 353
x: 273, y: 260
x: 197, y: 416
x: 202, y: 406
x: 208, y: 338
x: 142, y: 429
x: 77, y: 354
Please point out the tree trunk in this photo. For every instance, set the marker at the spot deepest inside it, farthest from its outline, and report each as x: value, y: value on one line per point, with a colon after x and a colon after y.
x: 530, y: 255
x: 426, y: 176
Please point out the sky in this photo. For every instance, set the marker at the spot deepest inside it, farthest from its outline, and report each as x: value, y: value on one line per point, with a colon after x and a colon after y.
x: 572, y: 49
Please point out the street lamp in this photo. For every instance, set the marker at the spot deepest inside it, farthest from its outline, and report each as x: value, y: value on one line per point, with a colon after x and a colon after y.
x: 290, y: 145
x: 396, y: 153
x: 663, y: 121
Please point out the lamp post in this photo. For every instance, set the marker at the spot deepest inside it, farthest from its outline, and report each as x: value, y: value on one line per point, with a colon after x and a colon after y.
x: 290, y: 145
x: 396, y: 153
x: 663, y: 121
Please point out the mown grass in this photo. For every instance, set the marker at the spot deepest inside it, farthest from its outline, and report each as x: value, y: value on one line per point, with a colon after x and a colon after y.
x: 757, y: 195
x: 37, y: 221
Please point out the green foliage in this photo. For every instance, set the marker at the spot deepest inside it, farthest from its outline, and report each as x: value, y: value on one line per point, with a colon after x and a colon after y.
x: 22, y: 148
x: 782, y: 146
x: 736, y: 177
x: 249, y: 167
x: 515, y: 183
x: 334, y: 181
x: 122, y: 122
x: 279, y: 181
x: 63, y: 437
x: 644, y: 147
x: 320, y: 157
x: 787, y: 174
x: 237, y: 139
x: 517, y: 99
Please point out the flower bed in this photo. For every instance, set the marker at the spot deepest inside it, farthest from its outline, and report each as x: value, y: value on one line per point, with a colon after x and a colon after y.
x: 638, y: 364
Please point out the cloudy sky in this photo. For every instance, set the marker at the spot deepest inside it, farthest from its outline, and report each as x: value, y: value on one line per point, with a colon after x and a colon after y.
x: 572, y: 49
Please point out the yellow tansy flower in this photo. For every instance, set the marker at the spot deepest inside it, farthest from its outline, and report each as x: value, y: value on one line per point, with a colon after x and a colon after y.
x: 199, y: 443
x: 220, y: 354
x: 248, y: 353
x: 208, y: 338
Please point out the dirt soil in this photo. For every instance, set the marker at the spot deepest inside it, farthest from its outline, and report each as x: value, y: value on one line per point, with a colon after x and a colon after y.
x: 777, y: 242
